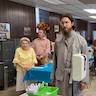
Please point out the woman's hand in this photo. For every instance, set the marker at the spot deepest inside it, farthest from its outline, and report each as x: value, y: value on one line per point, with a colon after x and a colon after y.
x: 27, y: 66
x: 39, y: 57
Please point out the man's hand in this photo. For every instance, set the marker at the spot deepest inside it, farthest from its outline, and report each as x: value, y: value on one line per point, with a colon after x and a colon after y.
x: 54, y: 82
x: 83, y: 85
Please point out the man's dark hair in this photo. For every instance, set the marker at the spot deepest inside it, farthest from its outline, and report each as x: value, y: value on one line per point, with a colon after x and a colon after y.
x: 68, y: 16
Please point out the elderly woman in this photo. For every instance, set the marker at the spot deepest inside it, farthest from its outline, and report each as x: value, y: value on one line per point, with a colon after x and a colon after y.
x: 24, y: 59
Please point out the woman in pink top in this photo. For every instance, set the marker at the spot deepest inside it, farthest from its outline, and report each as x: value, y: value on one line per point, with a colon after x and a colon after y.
x: 41, y: 46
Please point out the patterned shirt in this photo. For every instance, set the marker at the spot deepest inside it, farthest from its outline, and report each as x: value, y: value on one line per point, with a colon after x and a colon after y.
x: 41, y: 46
x: 24, y: 57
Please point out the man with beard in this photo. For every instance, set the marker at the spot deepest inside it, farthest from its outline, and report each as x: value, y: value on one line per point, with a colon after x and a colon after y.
x: 68, y: 44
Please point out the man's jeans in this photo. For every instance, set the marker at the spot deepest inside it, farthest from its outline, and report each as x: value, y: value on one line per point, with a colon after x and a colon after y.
x: 76, y: 89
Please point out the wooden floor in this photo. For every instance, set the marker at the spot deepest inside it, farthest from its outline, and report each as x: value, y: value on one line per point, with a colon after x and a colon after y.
x: 91, y: 90
x: 8, y: 92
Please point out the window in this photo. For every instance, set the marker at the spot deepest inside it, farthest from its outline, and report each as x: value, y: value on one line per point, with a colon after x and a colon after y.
x: 94, y: 34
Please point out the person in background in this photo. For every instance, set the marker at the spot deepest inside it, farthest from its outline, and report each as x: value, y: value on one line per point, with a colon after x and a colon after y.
x: 41, y: 45
x: 94, y: 52
x: 24, y: 59
x: 68, y: 44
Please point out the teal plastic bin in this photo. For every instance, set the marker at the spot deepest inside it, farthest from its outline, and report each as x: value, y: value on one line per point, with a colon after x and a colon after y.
x: 45, y: 91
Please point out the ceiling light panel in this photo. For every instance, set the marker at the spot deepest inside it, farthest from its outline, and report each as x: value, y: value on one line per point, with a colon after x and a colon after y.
x: 94, y: 17
x: 91, y: 11
x: 55, y: 2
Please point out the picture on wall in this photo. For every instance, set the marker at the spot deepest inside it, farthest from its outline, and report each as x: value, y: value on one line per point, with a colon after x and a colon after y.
x: 27, y: 31
x: 56, y: 28
x: 5, y: 30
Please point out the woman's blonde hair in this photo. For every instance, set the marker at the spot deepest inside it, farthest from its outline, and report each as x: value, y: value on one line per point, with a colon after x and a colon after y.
x: 24, y: 39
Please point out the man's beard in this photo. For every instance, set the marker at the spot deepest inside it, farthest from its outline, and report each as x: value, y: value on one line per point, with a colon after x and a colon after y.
x: 66, y: 33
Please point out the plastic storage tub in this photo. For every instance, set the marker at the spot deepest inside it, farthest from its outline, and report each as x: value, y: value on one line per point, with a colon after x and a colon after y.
x: 79, y: 63
x: 45, y: 91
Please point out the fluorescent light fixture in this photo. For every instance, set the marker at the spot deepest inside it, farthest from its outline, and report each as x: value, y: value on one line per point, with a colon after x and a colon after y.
x: 91, y: 11
x: 55, y: 2
x: 37, y: 15
x: 94, y: 17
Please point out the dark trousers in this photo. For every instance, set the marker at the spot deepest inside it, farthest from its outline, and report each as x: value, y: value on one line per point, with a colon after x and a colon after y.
x: 75, y: 88
x: 66, y: 89
x: 69, y: 90
x: 95, y: 61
